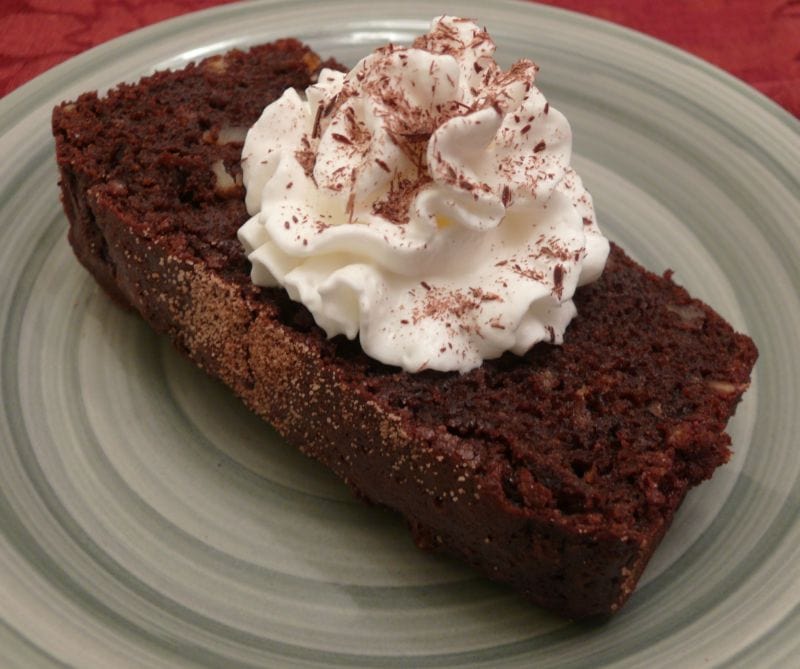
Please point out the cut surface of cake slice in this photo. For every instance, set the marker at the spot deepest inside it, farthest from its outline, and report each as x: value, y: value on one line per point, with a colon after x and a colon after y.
x: 557, y: 472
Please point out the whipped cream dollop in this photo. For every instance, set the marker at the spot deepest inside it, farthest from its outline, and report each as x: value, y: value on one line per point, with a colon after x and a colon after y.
x: 423, y: 202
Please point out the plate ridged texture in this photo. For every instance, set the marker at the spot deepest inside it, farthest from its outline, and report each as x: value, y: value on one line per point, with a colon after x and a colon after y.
x: 146, y: 519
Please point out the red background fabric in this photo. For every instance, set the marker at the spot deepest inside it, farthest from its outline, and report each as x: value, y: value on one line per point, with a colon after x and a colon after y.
x: 755, y: 40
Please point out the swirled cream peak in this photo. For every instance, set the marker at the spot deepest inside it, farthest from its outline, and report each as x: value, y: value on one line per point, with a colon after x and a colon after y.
x: 423, y: 202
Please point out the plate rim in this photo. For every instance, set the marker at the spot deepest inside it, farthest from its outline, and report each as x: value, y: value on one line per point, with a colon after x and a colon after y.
x: 35, y: 87
x: 140, y: 36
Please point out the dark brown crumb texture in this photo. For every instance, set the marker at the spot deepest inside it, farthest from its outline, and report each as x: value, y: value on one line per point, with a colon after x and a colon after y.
x: 557, y: 472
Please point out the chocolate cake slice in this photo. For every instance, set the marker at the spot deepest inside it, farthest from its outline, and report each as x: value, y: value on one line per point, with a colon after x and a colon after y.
x: 557, y: 472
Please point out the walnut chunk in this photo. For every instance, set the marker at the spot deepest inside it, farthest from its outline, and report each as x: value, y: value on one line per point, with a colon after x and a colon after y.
x: 726, y: 387
x: 232, y: 134
x: 225, y: 182
x: 687, y: 312
x: 117, y: 188
x: 216, y: 64
x: 312, y: 61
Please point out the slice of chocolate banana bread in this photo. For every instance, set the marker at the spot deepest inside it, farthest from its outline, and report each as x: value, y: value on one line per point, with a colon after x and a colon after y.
x: 557, y: 472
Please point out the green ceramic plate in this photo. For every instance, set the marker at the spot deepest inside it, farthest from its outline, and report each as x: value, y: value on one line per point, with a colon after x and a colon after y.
x: 147, y: 519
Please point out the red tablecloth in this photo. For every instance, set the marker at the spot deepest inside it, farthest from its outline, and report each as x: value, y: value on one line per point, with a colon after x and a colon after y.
x: 755, y: 40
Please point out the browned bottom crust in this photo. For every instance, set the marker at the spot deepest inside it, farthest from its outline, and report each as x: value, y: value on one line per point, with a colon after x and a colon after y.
x: 557, y: 472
